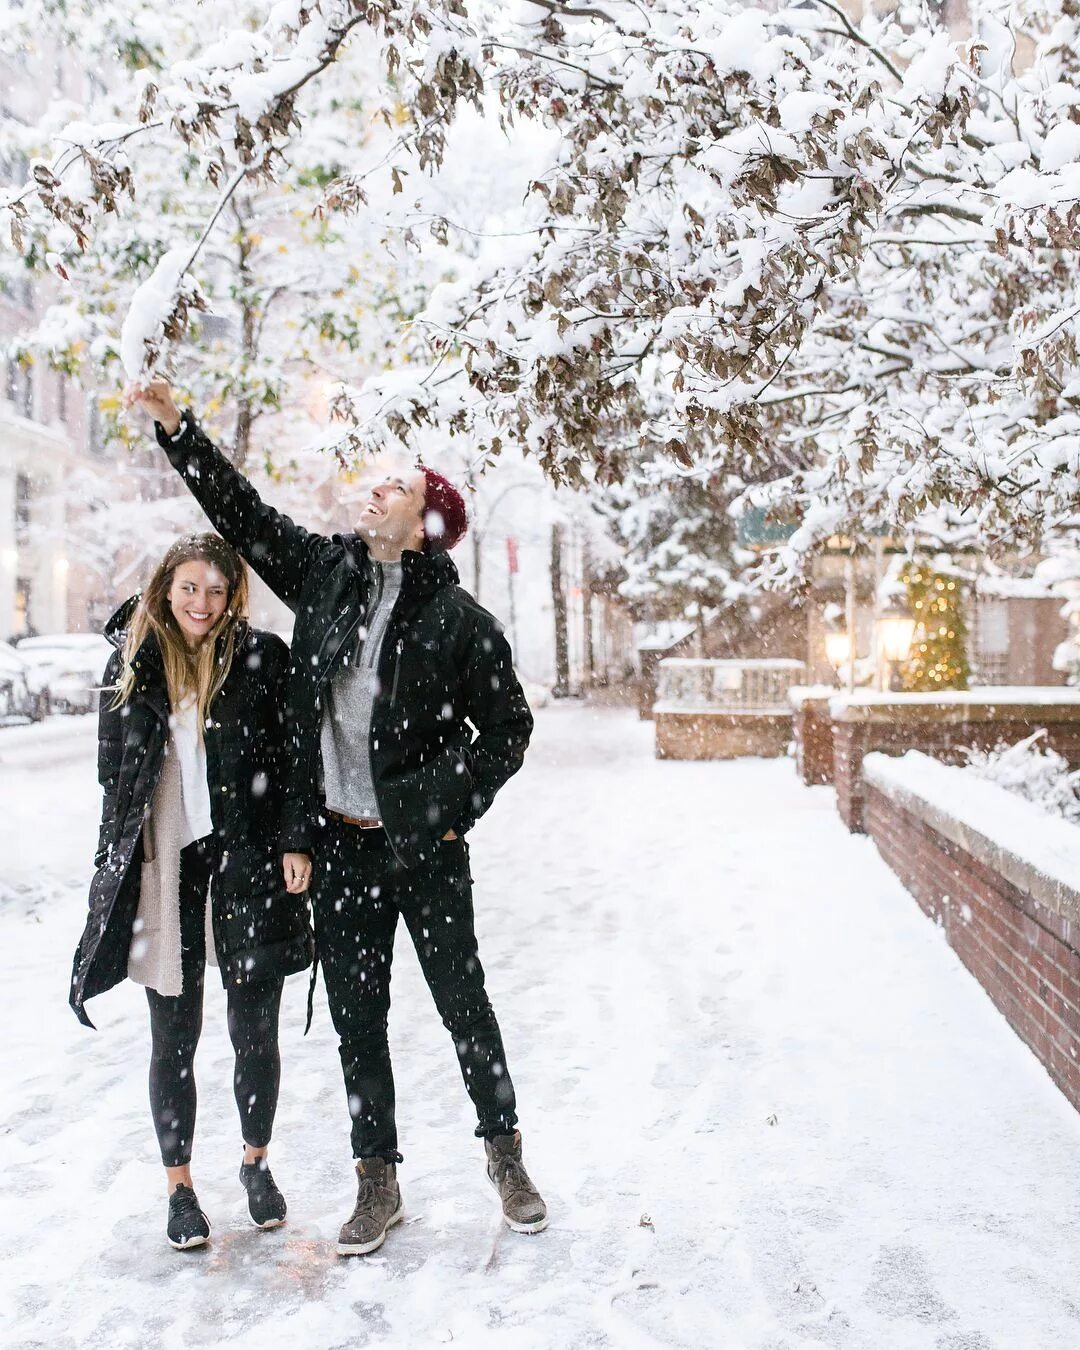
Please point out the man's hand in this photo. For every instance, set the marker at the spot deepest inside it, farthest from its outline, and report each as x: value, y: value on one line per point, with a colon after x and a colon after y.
x: 156, y: 397
x: 297, y: 869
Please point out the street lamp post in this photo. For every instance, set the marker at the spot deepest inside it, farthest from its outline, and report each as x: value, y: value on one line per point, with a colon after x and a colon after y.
x: 838, y: 650
x: 895, y: 628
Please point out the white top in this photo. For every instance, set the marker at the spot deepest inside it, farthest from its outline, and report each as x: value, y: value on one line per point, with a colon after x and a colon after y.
x: 190, y: 750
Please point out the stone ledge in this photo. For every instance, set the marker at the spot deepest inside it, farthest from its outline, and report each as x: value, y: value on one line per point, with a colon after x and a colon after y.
x: 1035, y: 706
x: 816, y: 695
x: 712, y: 711
x: 1053, y: 892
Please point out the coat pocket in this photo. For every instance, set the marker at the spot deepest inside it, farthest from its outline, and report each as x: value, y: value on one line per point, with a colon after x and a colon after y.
x: 252, y: 869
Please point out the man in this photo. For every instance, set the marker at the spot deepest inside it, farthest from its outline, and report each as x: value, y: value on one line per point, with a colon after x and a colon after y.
x: 391, y: 663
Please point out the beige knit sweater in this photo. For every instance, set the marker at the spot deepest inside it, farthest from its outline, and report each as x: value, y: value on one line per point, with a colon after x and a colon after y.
x: 154, y: 959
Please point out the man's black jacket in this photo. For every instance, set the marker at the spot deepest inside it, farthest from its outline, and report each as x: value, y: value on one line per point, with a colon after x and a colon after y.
x: 444, y: 664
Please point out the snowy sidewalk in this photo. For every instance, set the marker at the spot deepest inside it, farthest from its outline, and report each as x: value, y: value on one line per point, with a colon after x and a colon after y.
x: 767, y: 1105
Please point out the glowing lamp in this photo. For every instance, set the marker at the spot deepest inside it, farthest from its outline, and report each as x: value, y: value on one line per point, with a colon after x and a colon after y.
x: 895, y: 632
x: 837, y: 649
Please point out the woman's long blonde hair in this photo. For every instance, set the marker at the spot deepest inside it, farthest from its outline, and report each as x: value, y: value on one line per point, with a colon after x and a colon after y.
x: 203, y: 671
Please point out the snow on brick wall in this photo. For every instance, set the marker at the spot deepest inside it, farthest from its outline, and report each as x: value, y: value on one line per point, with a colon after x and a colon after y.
x: 945, y: 738
x: 1022, y: 951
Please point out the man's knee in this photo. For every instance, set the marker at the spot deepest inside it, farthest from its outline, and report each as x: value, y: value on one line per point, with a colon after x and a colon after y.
x: 469, y: 1023
x: 362, y: 1045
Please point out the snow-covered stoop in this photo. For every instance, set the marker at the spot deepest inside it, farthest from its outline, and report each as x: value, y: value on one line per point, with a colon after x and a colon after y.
x: 768, y: 1106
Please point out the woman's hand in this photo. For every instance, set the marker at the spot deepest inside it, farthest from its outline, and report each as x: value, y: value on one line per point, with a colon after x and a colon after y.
x: 156, y: 397
x: 297, y: 869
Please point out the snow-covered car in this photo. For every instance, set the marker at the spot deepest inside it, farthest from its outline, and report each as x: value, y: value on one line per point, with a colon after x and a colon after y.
x: 536, y: 695
x: 71, y: 665
x: 24, y: 692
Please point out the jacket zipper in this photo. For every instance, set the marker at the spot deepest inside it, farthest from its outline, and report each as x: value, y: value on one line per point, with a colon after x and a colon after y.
x: 326, y: 640
x: 397, y: 670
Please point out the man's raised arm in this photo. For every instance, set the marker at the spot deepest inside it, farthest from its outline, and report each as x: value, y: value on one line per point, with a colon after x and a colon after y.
x: 278, y: 549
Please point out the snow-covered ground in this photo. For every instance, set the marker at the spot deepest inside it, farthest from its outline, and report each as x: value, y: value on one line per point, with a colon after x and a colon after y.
x: 767, y: 1105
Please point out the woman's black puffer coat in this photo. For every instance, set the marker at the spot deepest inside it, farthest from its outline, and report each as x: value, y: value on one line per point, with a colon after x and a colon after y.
x: 259, y: 929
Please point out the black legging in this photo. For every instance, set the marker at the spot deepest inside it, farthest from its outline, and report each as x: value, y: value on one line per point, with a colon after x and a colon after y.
x: 175, y: 1024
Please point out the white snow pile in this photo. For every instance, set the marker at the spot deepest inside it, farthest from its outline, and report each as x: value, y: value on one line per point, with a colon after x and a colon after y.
x: 778, y: 1067
x: 1031, y: 770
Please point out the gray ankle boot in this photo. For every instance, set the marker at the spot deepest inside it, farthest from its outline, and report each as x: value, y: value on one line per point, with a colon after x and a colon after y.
x: 378, y: 1207
x: 522, y: 1207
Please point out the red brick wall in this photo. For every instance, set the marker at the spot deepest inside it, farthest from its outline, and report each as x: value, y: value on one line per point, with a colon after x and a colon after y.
x: 939, y: 738
x: 1022, y: 954
x: 814, y: 741
x: 718, y: 735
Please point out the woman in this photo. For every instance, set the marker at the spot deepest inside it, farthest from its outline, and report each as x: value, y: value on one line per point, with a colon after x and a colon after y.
x: 191, y: 756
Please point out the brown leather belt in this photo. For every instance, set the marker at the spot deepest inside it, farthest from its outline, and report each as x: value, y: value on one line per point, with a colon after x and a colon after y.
x: 361, y: 822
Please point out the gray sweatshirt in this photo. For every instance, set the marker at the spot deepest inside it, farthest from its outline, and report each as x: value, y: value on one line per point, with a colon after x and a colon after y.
x: 346, y: 722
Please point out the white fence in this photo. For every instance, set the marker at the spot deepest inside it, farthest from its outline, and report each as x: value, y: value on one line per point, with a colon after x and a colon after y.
x: 753, y: 686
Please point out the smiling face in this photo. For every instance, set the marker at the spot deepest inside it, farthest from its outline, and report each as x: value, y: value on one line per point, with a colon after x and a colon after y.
x: 198, y: 597
x: 392, y: 518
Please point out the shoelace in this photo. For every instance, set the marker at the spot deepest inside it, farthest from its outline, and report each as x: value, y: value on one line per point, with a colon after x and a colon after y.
x: 262, y: 1180
x: 512, y: 1172
x: 366, y: 1198
x: 183, y: 1202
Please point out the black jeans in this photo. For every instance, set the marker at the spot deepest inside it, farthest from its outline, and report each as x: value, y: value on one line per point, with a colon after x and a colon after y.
x: 359, y: 889
x: 175, y: 1025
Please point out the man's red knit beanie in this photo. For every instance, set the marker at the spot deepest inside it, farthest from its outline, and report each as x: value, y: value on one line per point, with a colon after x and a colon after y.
x: 445, y: 518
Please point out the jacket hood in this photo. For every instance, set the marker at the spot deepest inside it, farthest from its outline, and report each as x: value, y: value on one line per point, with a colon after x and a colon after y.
x: 117, y: 627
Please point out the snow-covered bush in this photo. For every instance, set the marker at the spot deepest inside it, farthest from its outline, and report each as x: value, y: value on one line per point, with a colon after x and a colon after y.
x: 1034, y: 772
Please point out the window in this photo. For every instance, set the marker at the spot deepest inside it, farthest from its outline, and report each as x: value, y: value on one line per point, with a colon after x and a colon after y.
x: 990, y: 650
x: 24, y: 495
x: 20, y: 624
x: 216, y: 327
x: 14, y: 166
x: 26, y: 391
x: 95, y: 434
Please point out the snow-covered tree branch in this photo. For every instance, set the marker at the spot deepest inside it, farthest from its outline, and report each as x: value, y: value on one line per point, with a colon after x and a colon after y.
x: 828, y: 263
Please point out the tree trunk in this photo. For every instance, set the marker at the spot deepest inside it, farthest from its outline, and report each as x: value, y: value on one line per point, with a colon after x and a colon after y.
x: 242, y: 436
x: 587, y: 616
x: 558, y: 600
x: 477, y: 542
x: 249, y: 343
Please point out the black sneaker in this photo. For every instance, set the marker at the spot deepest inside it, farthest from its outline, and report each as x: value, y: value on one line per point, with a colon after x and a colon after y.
x: 188, y: 1225
x: 266, y: 1204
